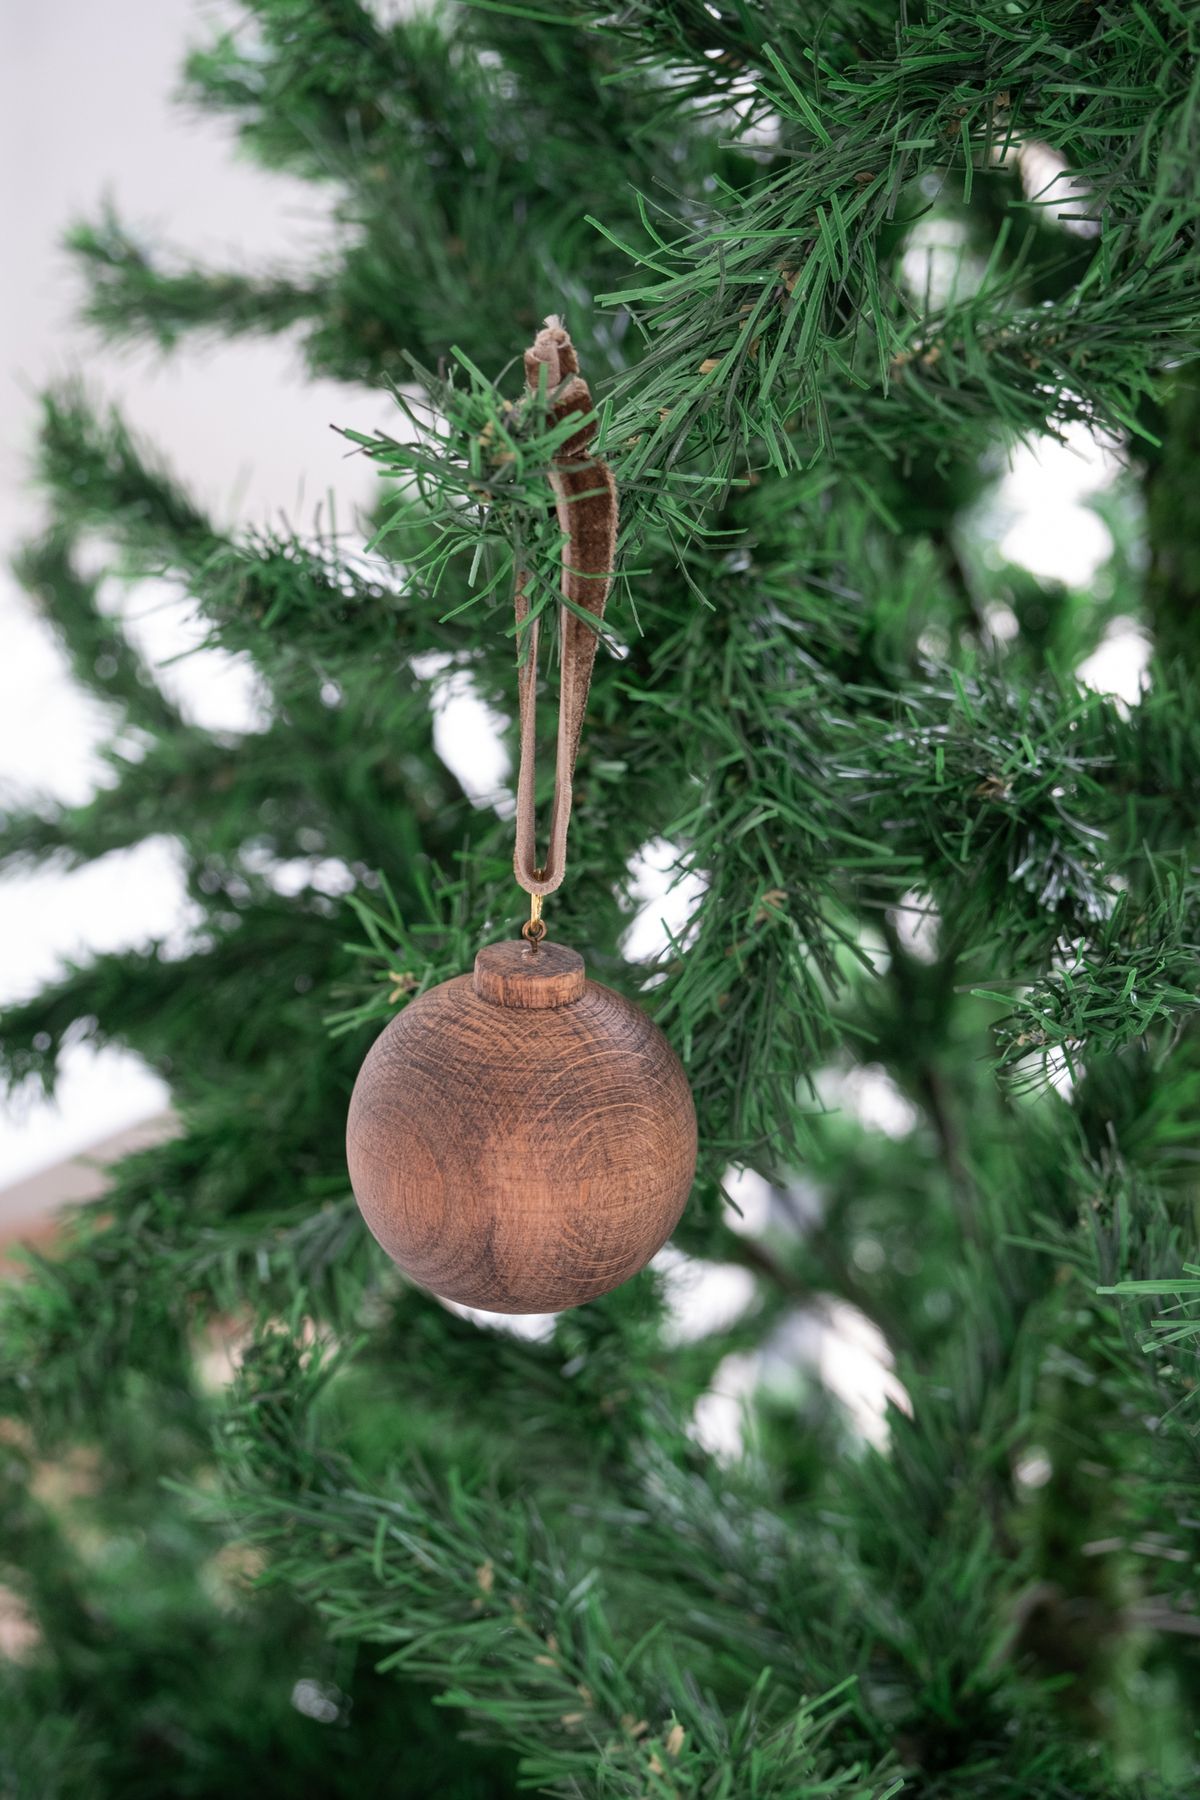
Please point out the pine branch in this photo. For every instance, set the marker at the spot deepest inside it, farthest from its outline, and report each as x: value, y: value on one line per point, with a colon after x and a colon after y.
x: 134, y: 290
x: 100, y: 654
x: 483, y: 1599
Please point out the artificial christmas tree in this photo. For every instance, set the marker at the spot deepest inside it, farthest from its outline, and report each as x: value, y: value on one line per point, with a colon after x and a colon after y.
x: 922, y: 853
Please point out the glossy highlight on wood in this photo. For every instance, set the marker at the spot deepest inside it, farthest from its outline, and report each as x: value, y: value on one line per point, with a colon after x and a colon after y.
x: 521, y: 1139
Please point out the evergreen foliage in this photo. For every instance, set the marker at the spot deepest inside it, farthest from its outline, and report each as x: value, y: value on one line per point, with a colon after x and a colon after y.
x: 396, y: 1550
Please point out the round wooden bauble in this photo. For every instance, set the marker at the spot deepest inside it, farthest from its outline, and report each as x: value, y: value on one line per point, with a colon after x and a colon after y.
x: 522, y: 1139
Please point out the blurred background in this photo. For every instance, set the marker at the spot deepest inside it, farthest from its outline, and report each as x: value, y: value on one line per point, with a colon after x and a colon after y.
x: 86, y: 111
x: 253, y: 440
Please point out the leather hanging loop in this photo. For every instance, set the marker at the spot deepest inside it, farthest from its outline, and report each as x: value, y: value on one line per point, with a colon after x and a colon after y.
x: 585, y: 500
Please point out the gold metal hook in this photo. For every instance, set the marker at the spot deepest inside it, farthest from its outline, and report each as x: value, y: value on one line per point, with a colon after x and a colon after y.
x: 534, y: 928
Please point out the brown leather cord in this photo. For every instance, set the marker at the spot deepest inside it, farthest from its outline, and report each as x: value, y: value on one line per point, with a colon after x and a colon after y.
x: 585, y: 499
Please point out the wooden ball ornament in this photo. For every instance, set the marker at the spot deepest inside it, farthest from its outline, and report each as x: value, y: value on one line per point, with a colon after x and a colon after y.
x: 521, y: 1139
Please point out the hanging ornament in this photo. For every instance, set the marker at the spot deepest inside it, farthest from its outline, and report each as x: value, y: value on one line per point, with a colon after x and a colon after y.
x: 523, y: 1139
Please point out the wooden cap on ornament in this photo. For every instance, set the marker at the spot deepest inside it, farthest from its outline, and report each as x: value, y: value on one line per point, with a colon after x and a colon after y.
x: 515, y: 974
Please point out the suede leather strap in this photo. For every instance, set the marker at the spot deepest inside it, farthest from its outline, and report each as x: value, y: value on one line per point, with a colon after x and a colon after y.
x: 585, y: 499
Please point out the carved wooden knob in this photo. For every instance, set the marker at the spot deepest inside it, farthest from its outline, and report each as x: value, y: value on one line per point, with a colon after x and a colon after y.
x: 522, y: 1139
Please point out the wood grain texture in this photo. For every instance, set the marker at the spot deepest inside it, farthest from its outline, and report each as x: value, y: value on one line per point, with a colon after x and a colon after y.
x: 517, y: 975
x: 518, y: 1156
